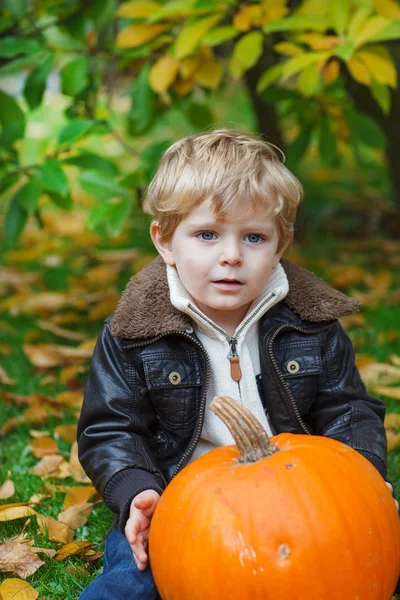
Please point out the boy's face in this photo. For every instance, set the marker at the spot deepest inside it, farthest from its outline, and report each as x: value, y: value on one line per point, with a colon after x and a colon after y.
x: 205, y: 252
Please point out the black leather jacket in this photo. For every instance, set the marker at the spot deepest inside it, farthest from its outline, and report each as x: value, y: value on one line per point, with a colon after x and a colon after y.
x: 138, y: 428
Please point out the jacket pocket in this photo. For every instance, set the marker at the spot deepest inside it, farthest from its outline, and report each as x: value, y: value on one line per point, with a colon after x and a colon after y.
x: 174, y: 388
x: 301, y: 365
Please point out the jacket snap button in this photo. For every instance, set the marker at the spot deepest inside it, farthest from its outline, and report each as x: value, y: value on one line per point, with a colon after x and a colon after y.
x: 174, y: 377
x: 293, y: 366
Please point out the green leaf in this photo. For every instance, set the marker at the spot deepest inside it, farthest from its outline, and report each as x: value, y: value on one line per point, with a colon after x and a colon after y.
x: 219, y: 35
x: 28, y: 195
x: 142, y: 101
x: 345, y: 50
x: 358, y: 18
x: 302, y: 61
x: 11, y: 46
x: 117, y: 215
x: 54, y: 178
x: 381, y: 93
x: 17, y: 7
x: 339, y: 15
x: 299, y: 22
x: 74, y: 76
x: 6, y: 23
x: 12, y: 120
x: 296, y: 151
x: 269, y: 76
x: 64, y: 202
x: 16, y: 65
x: 99, y: 184
x: 74, y: 131
x: 7, y: 181
x: 328, y: 144
x: 97, y: 214
x: 390, y: 32
x: 14, y: 222
x: 191, y: 35
x: 90, y: 161
x: 246, y: 53
x: 364, y: 128
x: 151, y: 157
x: 199, y: 115
x: 35, y: 83
x: 309, y: 82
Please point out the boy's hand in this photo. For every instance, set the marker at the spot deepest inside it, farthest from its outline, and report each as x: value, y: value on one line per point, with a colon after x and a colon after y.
x: 138, y: 525
x: 391, y: 491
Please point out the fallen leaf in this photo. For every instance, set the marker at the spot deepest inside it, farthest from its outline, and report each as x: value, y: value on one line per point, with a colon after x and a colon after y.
x: 57, y: 531
x: 77, y: 472
x: 77, y: 570
x: 381, y: 373
x: 72, y: 549
x: 392, y: 421
x: 15, y: 512
x: 389, y: 392
x: 70, y: 399
x: 47, y: 551
x: 395, y: 359
x: 47, y: 465
x: 352, y: 321
x: 17, y: 589
x: 66, y: 432
x: 37, y: 498
x: 76, y: 336
x: 76, y: 516
x: 393, y: 440
x: 43, y: 446
x: 78, y: 495
x: 16, y: 556
x: 38, y: 433
x: 7, y: 490
x: 4, y: 377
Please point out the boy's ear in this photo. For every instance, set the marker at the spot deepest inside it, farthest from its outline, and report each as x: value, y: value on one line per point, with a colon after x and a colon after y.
x: 163, y: 246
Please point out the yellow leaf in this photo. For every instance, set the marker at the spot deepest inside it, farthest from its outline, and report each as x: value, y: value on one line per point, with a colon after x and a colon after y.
x: 191, y: 35
x: 138, y: 34
x: 370, y: 28
x: 182, y: 87
x: 163, y: 73
x: 247, y: 17
x: 388, y: 8
x: 78, y: 495
x: 393, y: 441
x: 273, y: 10
x: 17, y: 589
x: 288, y: 49
x: 57, y: 532
x: 380, y: 64
x: 72, y: 549
x: 209, y: 74
x: 246, y: 53
x: 298, y: 63
x: 189, y: 65
x: 42, y: 446
x: 358, y: 70
x: 331, y: 71
x: 15, y: 512
x: 137, y: 10
x: 389, y: 392
x: 75, y: 516
x: 7, y: 489
x: 317, y: 41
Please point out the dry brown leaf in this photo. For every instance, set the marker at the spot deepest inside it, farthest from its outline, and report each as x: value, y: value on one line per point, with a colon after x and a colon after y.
x: 91, y: 556
x: 70, y: 399
x: 117, y: 256
x: 77, y: 472
x: 395, y: 360
x: 392, y: 421
x: 76, y: 336
x: 345, y: 276
x: 5, y: 378
x: 362, y: 360
x: 57, y: 531
x: 7, y: 490
x: 37, y: 498
x: 76, y: 516
x: 15, y: 512
x: 72, y: 549
x: 77, y: 570
x: 381, y: 281
x: 66, y: 432
x: 43, y: 446
x: 38, y: 433
x: 393, y: 440
x: 64, y: 470
x: 70, y: 373
x: 16, y: 556
x: 380, y: 373
x: 48, y: 464
x: 17, y: 589
x: 47, y: 551
x: 353, y: 321
x: 44, y: 303
x: 78, y: 495
x: 389, y: 392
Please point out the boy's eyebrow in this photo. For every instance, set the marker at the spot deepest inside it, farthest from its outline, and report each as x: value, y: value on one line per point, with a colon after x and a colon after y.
x: 256, y: 225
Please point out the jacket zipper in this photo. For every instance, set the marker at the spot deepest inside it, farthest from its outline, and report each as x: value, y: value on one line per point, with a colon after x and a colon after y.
x: 196, y: 438
x: 233, y: 357
x: 273, y: 360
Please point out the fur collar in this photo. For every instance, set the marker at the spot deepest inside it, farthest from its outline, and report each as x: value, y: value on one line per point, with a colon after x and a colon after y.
x: 145, y: 310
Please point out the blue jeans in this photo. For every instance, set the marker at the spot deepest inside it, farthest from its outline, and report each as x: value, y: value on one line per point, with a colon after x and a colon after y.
x: 120, y: 578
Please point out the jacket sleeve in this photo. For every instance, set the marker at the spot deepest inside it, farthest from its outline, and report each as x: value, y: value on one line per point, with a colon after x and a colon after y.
x: 343, y: 409
x: 112, y: 431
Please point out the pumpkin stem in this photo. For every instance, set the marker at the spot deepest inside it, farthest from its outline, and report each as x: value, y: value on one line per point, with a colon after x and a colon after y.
x: 249, y: 435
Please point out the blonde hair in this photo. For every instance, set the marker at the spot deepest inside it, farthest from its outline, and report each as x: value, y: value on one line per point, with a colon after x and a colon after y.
x: 239, y: 173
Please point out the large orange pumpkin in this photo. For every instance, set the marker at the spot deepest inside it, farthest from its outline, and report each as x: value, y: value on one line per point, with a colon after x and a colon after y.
x: 303, y: 517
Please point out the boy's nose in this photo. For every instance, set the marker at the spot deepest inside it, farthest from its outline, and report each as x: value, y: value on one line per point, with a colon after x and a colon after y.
x: 231, y: 254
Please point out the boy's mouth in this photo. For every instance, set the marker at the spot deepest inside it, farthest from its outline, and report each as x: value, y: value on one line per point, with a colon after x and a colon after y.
x: 231, y: 282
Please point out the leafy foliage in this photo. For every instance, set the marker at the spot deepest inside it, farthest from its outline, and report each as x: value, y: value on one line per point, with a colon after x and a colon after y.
x: 176, y: 53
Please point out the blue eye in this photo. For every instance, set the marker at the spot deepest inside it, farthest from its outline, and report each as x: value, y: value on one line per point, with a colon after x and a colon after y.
x: 251, y: 237
x: 207, y: 233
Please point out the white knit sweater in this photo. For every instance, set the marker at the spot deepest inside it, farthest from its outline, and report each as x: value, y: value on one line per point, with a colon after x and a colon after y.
x: 215, y: 341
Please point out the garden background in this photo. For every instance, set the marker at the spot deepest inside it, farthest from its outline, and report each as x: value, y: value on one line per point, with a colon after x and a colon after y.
x: 91, y: 94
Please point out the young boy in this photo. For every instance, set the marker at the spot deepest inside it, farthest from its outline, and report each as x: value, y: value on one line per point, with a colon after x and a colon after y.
x: 218, y: 312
